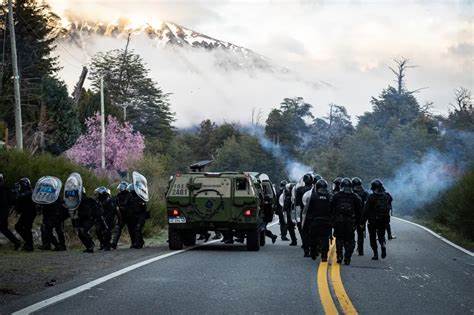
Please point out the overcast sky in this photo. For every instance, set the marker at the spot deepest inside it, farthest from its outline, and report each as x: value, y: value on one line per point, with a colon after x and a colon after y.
x: 348, y: 44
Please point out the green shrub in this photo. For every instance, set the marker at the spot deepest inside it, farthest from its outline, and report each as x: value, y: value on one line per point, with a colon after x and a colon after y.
x: 15, y: 165
x: 455, y: 207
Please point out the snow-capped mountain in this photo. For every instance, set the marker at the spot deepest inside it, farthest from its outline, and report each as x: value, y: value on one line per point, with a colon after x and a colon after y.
x: 173, y: 35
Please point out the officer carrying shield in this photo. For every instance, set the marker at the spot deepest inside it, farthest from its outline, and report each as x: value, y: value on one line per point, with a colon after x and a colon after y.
x: 279, y: 211
x: 110, y: 215
x: 46, y: 196
x: 125, y: 217
x: 137, y: 203
x: 307, y: 184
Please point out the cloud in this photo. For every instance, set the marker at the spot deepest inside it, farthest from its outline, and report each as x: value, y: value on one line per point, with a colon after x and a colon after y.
x: 288, y: 44
x: 463, y: 50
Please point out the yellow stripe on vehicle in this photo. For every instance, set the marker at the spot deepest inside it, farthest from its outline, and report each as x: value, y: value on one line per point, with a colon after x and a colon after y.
x: 341, y: 294
x: 323, y: 288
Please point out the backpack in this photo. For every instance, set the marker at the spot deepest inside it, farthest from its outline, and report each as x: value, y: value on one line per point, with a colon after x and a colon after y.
x: 382, y: 205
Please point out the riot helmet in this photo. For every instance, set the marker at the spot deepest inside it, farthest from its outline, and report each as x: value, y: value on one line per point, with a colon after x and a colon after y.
x: 102, y: 193
x: 337, y: 184
x: 376, y: 186
x: 289, y: 187
x: 322, y: 186
x: 308, y: 179
x: 25, y: 183
x: 357, y: 184
x: 122, y: 186
x: 283, y: 184
x: 346, y: 185
x: 2, y: 180
x: 130, y: 188
x: 316, y: 177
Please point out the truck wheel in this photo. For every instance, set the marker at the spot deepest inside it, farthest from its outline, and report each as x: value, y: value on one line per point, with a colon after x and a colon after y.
x: 189, y: 238
x: 262, y: 238
x: 253, y: 240
x: 174, y: 239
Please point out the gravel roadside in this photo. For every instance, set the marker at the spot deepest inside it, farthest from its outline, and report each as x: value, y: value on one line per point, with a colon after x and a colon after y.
x: 22, y: 273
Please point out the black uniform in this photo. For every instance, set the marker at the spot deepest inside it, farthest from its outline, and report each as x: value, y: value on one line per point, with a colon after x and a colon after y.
x: 26, y: 208
x: 125, y: 217
x: 318, y: 224
x: 377, y: 213
x: 363, y: 195
x: 54, y: 215
x: 346, y: 208
x: 89, y: 214
x: 289, y: 222
x: 140, y: 214
x: 110, y: 215
x: 281, y: 218
x: 299, y: 193
x: 5, y: 205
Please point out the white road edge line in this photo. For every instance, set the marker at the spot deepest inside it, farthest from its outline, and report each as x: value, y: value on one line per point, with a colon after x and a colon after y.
x: 438, y: 236
x: 89, y: 285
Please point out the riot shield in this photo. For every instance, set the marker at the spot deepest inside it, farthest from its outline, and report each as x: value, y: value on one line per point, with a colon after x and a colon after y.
x: 141, y: 186
x: 281, y: 200
x: 73, y: 191
x: 306, y: 198
x: 47, y: 190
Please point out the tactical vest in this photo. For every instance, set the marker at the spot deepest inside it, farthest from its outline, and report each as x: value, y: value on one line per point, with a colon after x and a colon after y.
x: 381, y: 205
x: 319, y: 206
x: 345, y: 205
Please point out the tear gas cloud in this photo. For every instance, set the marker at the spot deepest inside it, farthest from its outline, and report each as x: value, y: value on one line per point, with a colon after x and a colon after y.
x: 417, y: 183
x: 293, y: 168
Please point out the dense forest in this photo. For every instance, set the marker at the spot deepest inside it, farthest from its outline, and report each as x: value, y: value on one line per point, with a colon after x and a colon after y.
x: 417, y: 154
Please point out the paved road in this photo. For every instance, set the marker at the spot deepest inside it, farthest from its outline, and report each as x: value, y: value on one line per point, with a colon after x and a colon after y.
x: 422, y: 275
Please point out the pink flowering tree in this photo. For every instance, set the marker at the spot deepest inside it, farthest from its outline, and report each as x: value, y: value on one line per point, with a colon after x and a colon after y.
x: 123, y: 146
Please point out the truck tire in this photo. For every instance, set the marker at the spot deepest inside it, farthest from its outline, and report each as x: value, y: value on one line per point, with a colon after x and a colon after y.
x: 174, y: 239
x: 253, y: 240
x: 189, y: 238
x: 262, y: 238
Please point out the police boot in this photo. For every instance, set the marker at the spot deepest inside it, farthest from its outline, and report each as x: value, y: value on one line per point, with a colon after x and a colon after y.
x: 384, y: 252
x: 284, y: 238
x: 293, y: 237
x: 347, y: 260
x: 360, y: 250
x: 376, y: 255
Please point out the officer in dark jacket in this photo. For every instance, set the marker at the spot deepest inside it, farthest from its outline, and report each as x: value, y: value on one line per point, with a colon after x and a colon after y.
x: 346, y: 207
x: 336, y: 185
x: 89, y: 214
x: 363, y: 194
x: 54, y: 215
x: 377, y: 212
x: 110, y: 215
x: 140, y: 214
x: 317, y: 220
x: 5, y: 205
x: 279, y: 212
x: 299, y: 193
x: 287, y: 208
x: 25, y: 207
x: 125, y: 217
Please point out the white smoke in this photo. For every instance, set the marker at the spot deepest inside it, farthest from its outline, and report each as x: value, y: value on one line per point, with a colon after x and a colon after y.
x: 417, y: 183
x: 293, y: 168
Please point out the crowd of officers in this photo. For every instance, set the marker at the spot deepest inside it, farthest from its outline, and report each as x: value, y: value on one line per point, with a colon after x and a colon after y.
x: 321, y: 214
x: 109, y: 215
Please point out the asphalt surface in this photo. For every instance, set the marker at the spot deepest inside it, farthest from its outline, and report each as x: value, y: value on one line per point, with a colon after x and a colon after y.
x: 421, y: 275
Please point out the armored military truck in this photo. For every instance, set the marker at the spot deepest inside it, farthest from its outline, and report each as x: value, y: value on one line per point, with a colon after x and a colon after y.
x: 199, y: 201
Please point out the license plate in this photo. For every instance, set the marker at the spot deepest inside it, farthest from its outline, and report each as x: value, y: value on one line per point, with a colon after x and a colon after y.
x: 177, y: 220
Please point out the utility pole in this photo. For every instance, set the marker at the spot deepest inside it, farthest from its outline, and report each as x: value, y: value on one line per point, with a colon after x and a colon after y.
x: 124, y: 105
x: 102, y: 121
x: 16, y: 80
x: 78, y: 88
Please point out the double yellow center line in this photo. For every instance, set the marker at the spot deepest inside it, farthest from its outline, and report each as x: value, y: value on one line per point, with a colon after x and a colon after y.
x: 331, y: 271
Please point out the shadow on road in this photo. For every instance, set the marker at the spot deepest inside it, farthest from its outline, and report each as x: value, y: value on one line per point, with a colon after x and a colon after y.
x: 222, y: 247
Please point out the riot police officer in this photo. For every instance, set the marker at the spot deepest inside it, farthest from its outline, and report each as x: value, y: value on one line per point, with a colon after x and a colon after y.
x: 89, y: 214
x: 54, y: 215
x: 25, y: 207
x: 336, y: 185
x: 279, y: 211
x: 377, y: 213
x: 125, y: 215
x: 346, y: 207
x: 287, y: 210
x: 317, y: 220
x: 138, y: 208
x: 110, y: 215
x: 363, y: 194
x: 299, y: 192
x: 5, y: 205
